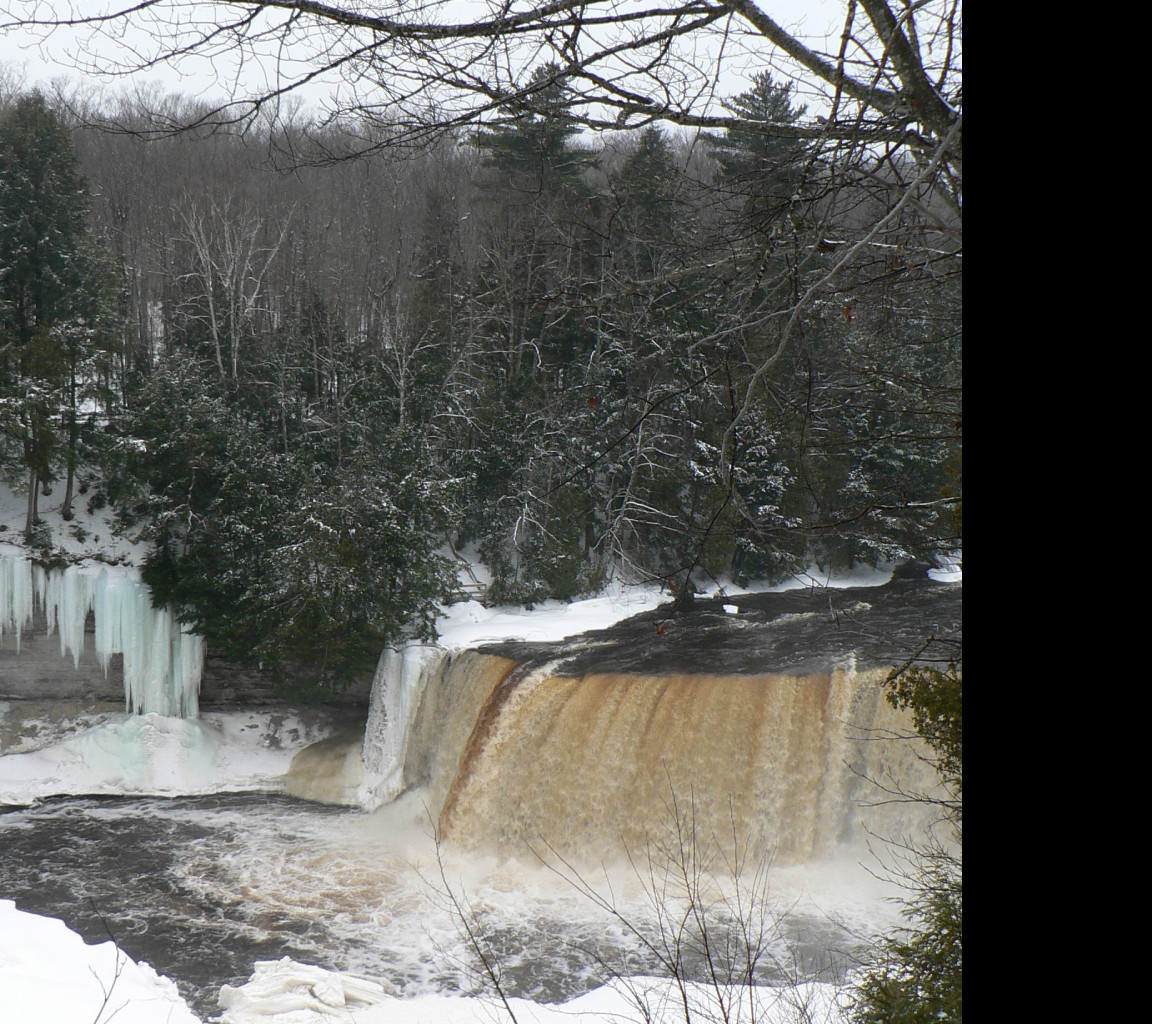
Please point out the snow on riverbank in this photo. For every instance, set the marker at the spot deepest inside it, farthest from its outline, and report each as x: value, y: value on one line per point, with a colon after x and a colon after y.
x: 289, y: 992
x: 152, y: 755
x: 470, y: 623
x: 49, y: 975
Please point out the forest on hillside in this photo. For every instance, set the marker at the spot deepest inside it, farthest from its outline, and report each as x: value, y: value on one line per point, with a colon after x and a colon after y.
x: 638, y: 354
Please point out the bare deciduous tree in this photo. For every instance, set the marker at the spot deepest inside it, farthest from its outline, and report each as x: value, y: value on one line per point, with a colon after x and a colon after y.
x: 229, y: 265
x: 893, y: 74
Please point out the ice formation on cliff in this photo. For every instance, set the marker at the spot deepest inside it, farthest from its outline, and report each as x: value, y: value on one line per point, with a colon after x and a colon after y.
x: 162, y: 661
x: 401, y: 676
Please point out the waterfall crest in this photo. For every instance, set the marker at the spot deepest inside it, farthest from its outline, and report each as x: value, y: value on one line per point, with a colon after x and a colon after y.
x: 162, y: 660
x: 425, y: 702
x: 523, y: 753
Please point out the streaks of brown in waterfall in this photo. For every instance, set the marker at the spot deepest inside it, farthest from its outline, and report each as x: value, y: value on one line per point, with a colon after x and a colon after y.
x: 450, y: 707
x: 804, y: 764
x: 592, y: 765
x: 478, y: 738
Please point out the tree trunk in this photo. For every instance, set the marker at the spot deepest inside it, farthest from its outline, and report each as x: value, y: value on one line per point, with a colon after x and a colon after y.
x: 66, y: 509
x: 30, y: 521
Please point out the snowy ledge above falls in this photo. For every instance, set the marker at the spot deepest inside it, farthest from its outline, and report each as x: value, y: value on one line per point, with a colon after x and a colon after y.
x: 162, y: 661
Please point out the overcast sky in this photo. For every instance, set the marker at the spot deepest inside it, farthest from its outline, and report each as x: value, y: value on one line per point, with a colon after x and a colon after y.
x: 41, y: 58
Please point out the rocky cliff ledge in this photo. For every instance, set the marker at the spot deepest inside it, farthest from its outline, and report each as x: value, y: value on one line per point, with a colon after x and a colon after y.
x: 796, y: 632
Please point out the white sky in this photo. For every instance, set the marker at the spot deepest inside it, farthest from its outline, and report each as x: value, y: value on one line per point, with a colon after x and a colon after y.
x: 42, y: 58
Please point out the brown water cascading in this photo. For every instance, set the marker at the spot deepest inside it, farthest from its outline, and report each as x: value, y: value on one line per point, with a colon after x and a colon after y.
x: 450, y: 706
x: 506, y: 754
x: 592, y: 765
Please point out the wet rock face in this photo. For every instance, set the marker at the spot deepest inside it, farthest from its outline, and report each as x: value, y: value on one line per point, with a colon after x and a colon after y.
x: 797, y: 632
x: 39, y: 672
x: 225, y: 684
x: 34, y: 669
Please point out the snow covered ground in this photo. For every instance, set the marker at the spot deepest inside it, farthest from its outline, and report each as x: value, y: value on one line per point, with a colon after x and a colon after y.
x: 308, y: 995
x: 48, y: 975
x: 88, y: 535
x: 469, y: 623
x: 154, y: 755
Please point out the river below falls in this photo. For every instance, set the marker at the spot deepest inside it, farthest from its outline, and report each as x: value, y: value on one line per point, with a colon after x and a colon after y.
x: 203, y: 887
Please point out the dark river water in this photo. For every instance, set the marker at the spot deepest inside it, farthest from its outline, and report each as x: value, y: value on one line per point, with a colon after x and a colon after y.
x: 203, y: 887
x: 114, y: 868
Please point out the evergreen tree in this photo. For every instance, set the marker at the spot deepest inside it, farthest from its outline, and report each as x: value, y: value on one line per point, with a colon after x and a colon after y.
x: 535, y: 145
x: 309, y: 558
x: 762, y: 165
x: 917, y: 977
x: 49, y: 290
x: 644, y: 224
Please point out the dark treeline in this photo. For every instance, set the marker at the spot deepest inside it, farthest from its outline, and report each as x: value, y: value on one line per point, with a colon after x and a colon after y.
x: 301, y: 377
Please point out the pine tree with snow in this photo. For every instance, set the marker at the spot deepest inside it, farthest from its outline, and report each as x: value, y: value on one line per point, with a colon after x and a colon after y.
x: 49, y: 295
x: 762, y: 164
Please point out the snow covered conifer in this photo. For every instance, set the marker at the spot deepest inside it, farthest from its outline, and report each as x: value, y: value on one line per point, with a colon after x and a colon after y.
x: 45, y: 288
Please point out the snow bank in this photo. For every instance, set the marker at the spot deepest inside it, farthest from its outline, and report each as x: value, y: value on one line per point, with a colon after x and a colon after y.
x: 285, y: 991
x: 48, y: 974
x: 89, y: 534
x: 284, y: 986
x: 469, y: 623
x: 949, y: 568
x: 153, y: 755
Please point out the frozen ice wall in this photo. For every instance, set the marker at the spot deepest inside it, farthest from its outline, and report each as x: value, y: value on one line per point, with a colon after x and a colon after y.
x: 162, y: 661
x: 401, y: 677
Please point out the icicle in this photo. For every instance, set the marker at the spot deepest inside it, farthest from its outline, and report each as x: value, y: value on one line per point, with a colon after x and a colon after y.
x: 162, y: 661
x: 16, y: 594
x: 66, y: 597
x: 109, y: 628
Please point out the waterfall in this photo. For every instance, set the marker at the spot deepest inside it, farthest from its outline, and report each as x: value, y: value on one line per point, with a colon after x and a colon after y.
x: 162, y: 660
x: 515, y: 753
